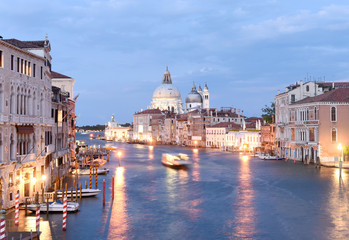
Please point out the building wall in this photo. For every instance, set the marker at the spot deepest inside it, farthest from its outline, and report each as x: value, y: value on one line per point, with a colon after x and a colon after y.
x: 329, y: 149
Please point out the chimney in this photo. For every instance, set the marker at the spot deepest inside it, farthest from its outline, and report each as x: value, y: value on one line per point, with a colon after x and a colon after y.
x: 272, y: 118
x: 238, y: 113
x: 332, y: 84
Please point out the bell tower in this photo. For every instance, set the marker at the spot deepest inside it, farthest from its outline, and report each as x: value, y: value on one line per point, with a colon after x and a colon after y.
x: 206, y: 97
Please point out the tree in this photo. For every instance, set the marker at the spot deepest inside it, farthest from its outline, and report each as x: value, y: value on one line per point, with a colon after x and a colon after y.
x: 269, y: 112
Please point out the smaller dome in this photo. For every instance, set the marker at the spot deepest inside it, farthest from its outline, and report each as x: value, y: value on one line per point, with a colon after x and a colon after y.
x: 193, y: 97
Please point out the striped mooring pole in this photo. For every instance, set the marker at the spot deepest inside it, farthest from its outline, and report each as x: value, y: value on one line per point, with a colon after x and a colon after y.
x: 2, y: 225
x: 90, y: 176
x: 17, y: 209
x: 96, y: 176
x: 65, y: 214
x: 38, y: 218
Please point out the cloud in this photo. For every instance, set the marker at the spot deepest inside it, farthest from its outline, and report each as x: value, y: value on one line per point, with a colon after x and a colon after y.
x: 333, y: 17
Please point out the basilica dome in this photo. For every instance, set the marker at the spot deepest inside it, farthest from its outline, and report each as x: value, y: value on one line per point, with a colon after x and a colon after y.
x: 167, y: 96
x: 166, y: 91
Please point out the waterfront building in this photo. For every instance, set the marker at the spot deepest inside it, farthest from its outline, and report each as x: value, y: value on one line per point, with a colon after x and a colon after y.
x: 182, y: 130
x: 246, y: 139
x: 115, y: 132
x: 216, y: 134
x: 318, y: 125
x: 28, y: 136
x: 157, y: 122
x: 63, y: 82
x: 268, y: 138
x: 142, y: 129
x: 283, y: 129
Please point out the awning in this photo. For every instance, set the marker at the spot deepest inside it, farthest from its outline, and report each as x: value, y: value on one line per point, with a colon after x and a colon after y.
x: 25, y: 129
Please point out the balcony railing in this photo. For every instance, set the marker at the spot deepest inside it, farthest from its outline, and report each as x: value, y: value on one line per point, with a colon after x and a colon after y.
x: 26, y: 158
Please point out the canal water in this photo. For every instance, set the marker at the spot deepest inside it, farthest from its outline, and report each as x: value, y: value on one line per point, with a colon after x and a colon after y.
x: 221, y: 196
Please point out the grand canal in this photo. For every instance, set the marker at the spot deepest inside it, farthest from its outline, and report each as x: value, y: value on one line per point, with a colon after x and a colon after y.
x: 221, y: 196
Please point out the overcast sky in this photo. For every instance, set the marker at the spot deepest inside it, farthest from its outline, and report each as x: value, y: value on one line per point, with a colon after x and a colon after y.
x: 118, y: 50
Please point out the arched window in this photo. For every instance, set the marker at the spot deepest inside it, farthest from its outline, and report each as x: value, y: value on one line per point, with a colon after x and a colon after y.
x: 307, y: 88
x: 315, y: 113
x: 333, y: 114
x: 334, y: 135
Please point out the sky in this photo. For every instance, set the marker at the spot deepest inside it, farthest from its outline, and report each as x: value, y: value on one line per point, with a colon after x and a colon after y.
x: 118, y: 50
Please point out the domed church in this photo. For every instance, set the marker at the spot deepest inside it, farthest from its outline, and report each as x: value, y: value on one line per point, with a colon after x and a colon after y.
x: 167, y: 97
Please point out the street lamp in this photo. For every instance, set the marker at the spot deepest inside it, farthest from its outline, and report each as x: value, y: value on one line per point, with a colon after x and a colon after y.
x: 119, y: 155
x: 340, y: 148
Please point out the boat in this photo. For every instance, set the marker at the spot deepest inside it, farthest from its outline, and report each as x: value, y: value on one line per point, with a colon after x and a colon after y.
x: 86, y: 171
x: 175, y: 160
x: 55, y: 207
x: 85, y: 192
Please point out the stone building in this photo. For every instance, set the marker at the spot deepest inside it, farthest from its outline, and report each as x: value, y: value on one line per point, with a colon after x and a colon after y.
x: 115, y: 132
x: 27, y: 137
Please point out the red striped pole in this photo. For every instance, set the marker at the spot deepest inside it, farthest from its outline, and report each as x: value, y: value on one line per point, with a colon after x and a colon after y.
x: 112, y: 188
x: 65, y: 214
x: 38, y: 218
x: 103, y: 192
x: 2, y: 225
x: 17, y: 209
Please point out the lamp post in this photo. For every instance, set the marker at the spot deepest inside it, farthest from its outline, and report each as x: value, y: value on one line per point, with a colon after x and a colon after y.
x: 119, y: 155
x: 340, y: 148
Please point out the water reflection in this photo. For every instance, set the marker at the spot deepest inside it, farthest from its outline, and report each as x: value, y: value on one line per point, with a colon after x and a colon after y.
x: 245, y: 224
x: 196, y: 167
x: 338, y: 207
x: 119, y: 222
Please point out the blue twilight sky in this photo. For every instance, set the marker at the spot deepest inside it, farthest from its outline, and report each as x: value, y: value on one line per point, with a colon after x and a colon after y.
x: 117, y: 50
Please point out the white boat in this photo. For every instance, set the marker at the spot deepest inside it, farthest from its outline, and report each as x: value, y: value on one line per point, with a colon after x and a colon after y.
x: 55, y: 207
x: 86, y: 171
x: 85, y: 192
x: 175, y: 160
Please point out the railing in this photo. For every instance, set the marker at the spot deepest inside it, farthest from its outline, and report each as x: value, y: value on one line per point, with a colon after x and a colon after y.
x: 26, y: 158
x: 47, y: 195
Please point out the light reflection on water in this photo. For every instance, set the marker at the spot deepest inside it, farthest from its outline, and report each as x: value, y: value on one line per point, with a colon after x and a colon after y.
x: 119, y: 222
x: 244, y: 223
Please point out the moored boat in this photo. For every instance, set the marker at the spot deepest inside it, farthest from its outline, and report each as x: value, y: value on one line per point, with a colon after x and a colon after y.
x: 86, y: 171
x: 85, y: 192
x: 55, y: 207
x: 175, y: 160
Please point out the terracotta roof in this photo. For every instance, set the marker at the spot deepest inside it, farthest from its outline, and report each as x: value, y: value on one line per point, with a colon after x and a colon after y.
x: 253, y: 119
x: 336, y: 95
x: 182, y: 117
x: 150, y: 111
x: 225, y: 125
x: 336, y: 84
x: 155, y: 117
x: 25, y: 44
x: 58, y: 75
x: 251, y: 125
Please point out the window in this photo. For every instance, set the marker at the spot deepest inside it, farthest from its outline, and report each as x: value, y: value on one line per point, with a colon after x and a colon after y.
x: 334, y: 135
x: 311, y: 135
x: 12, y: 60
x: 22, y: 66
x: 18, y: 64
x: 1, y: 62
x: 307, y: 88
x: 34, y: 67
x: 41, y: 75
x: 293, y: 98
x: 333, y: 114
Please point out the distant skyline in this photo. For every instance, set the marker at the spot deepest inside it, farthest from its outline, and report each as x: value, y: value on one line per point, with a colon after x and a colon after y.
x: 117, y: 51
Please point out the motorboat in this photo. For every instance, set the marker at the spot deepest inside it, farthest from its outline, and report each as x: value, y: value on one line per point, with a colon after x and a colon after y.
x: 86, y: 171
x: 85, y: 192
x: 55, y: 207
x: 175, y: 160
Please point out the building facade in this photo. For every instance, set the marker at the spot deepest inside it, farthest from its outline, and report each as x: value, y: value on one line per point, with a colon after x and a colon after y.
x: 27, y: 137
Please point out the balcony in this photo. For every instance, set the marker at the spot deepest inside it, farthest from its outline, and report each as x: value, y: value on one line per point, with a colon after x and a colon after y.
x: 26, y: 158
x: 50, y: 148
x: 3, y: 118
